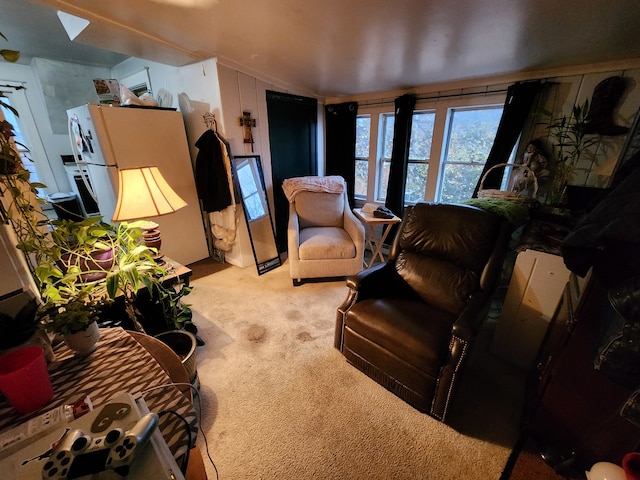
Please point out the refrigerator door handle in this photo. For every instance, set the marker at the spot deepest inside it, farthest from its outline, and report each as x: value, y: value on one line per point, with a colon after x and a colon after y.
x: 77, y: 140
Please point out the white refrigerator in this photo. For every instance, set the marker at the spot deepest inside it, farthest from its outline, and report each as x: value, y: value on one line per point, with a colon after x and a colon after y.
x: 105, y: 138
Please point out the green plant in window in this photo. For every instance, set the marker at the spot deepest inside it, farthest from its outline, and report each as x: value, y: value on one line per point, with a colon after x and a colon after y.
x: 569, y: 142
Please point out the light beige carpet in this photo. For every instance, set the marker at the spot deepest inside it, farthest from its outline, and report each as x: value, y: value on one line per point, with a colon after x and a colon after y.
x: 279, y: 402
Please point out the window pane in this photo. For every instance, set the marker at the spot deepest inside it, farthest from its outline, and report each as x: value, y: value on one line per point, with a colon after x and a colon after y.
x: 384, y: 180
x: 421, y: 134
x: 419, y: 153
x: 363, y: 134
x: 362, y: 177
x: 388, y: 122
x: 416, y: 182
x: 472, y: 133
x: 459, y: 182
x: 470, y: 138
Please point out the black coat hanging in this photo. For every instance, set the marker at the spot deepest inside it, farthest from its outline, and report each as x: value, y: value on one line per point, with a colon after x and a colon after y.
x: 212, y: 182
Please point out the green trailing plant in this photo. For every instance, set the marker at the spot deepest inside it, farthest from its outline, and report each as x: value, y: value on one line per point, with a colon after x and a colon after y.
x: 9, y: 55
x: 76, y: 287
x: 87, y: 245
x: 20, y: 199
x: 71, y: 281
x: 177, y: 314
x: 135, y: 268
x: 68, y: 304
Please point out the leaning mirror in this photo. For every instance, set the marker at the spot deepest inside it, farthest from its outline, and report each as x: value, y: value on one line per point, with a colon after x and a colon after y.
x: 247, y: 172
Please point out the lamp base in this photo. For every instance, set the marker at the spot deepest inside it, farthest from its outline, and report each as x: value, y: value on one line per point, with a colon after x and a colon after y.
x: 153, y: 239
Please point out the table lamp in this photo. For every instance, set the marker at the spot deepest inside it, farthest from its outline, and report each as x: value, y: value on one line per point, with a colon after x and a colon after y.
x: 143, y: 192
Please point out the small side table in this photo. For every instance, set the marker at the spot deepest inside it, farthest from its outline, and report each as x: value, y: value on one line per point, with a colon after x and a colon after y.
x: 373, y: 241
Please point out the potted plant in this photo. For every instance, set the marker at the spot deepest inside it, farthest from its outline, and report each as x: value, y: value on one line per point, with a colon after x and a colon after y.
x: 68, y: 305
x: 77, y: 286
x: 88, y: 245
x: 20, y: 199
x: 570, y: 141
x: 71, y: 280
x: 139, y: 278
x: 75, y: 316
x: 134, y: 268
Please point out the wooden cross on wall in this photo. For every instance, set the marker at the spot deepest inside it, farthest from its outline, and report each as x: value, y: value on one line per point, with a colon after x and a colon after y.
x: 247, y: 123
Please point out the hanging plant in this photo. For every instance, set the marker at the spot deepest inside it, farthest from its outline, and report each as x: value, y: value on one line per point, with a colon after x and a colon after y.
x: 11, y: 56
x: 19, y: 195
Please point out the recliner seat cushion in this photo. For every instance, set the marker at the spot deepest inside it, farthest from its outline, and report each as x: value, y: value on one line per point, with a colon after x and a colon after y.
x: 411, y: 330
x: 321, y: 243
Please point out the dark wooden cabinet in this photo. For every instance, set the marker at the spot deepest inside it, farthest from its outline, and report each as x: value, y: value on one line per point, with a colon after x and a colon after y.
x: 556, y: 338
x: 572, y: 407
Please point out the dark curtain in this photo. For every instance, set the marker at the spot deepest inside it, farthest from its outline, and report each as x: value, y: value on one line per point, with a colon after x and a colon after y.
x: 517, y: 107
x: 340, y: 121
x: 294, y: 148
x: 400, y: 153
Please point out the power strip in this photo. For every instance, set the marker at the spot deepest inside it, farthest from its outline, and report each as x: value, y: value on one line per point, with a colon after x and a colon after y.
x: 14, y: 439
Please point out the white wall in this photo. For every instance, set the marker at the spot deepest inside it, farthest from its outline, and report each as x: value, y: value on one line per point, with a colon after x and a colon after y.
x: 240, y: 93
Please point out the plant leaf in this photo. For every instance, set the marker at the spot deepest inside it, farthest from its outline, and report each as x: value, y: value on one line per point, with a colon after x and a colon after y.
x: 10, y: 55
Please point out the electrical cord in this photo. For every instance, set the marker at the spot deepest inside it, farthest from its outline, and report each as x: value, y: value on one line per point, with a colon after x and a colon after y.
x: 196, y: 394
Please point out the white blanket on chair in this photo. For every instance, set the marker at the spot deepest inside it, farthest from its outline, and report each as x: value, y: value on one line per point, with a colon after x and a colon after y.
x: 329, y: 184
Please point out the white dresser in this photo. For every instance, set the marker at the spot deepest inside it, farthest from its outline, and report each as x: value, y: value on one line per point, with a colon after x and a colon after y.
x: 535, y: 289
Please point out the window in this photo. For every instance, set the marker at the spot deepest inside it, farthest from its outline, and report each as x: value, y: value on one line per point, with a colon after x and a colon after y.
x: 450, y: 142
x: 419, y: 154
x: 21, y: 144
x: 469, y: 140
x: 363, y: 137
x: 387, y: 121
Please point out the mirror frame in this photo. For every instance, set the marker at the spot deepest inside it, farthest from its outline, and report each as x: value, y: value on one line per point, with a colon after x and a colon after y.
x: 274, y: 262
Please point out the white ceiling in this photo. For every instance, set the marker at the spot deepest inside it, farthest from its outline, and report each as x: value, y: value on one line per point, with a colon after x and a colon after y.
x: 335, y: 48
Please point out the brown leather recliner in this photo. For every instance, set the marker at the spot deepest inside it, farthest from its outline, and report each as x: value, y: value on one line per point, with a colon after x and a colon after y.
x: 409, y: 323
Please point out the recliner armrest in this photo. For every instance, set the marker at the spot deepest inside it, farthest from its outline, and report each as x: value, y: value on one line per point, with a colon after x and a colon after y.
x: 470, y: 319
x: 380, y: 281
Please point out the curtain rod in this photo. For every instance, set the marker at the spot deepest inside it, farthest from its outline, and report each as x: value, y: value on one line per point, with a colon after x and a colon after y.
x: 15, y: 87
x: 436, y: 97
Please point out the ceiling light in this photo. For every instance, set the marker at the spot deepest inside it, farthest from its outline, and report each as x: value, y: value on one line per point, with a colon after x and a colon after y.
x: 72, y: 25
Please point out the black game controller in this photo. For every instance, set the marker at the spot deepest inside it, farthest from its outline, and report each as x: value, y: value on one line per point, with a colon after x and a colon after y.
x: 77, y: 454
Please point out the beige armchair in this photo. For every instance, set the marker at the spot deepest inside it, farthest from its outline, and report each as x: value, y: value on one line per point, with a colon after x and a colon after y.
x: 325, y: 239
